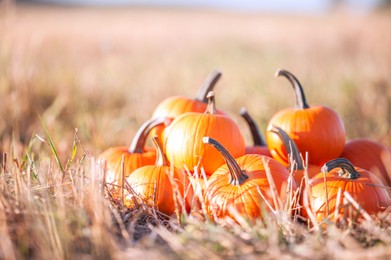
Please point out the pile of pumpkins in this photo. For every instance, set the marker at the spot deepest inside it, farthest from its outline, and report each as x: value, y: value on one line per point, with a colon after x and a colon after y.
x: 200, y: 161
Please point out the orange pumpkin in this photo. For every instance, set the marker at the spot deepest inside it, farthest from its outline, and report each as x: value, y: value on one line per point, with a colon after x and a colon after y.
x: 259, y: 145
x: 370, y: 155
x: 243, y: 184
x: 317, y: 130
x: 184, y: 147
x: 133, y: 157
x: 296, y: 164
x: 172, y: 107
x: 363, y: 186
x: 160, y: 186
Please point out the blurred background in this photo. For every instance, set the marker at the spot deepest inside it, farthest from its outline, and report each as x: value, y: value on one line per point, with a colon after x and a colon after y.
x: 103, y: 66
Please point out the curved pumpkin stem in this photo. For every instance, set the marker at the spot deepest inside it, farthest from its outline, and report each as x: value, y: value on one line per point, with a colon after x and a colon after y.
x: 238, y: 176
x: 290, y: 147
x: 347, y: 169
x: 211, y: 108
x: 161, y: 159
x: 255, y: 133
x: 301, y: 102
x: 138, y: 142
x: 208, y: 86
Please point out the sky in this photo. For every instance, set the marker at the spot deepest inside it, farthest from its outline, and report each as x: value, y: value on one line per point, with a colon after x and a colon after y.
x: 247, y: 5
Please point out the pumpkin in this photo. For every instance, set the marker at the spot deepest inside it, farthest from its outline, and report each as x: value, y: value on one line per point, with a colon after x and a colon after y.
x: 296, y: 164
x: 172, y: 107
x: 243, y: 185
x: 318, y: 130
x: 133, y: 157
x: 370, y: 155
x: 184, y: 147
x: 160, y: 186
x: 363, y: 186
x: 259, y: 145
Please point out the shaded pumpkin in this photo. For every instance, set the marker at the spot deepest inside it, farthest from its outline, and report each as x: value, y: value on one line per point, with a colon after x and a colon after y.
x: 259, y: 145
x: 184, y: 147
x: 370, y: 155
x: 363, y: 186
x: 318, y: 130
x: 130, y: 158
x: 242, y: 185
x: 174, y: 106
x: 160, y: 185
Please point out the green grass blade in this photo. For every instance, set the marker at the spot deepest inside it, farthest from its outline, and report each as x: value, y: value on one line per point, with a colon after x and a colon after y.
x: 51, y: 144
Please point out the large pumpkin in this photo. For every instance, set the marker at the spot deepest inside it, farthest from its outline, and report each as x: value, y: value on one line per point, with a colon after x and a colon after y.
x: 174, y: 106
x: 317, y: 130
x: 160, y: 186
x: 370, y: 155
x: 184, y: 147
x: 123, y: 160
x: 242, y: 185
x: 363, y: 186
x: 259, y: 145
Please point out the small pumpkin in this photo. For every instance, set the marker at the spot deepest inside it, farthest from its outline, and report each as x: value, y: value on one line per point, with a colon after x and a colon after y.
x: 259, y: 145
x: 184, y: 147
x: 370, y: 155
x: 242, y: 184
x: 132, y: 157
x: 172, y: 107
x: 363, y: 186
x: 160, y: 185
x: 318, y: 130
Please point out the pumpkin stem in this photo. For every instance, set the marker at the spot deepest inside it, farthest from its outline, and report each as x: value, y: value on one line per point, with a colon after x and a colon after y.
x: 208, y: 86
x: 301, y: 102
x: 161, y: 159
x: 347, y: 169
x: 290, y: 147
x: 238, y: 176
x: 211, y: 108
x: 138, y: 142
x: 255, y: 133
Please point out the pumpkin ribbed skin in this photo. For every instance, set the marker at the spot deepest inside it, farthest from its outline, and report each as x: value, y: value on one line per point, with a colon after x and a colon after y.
x: 365, y: 188
x: 184, y: 147
x: 318, y: 130
x: 172, y: 107
x: 245, y: 198
x: 237, y: 184
x: 370, y: 155
x: 295, y: 162
x: 176, y: 105
x: 152, y: 183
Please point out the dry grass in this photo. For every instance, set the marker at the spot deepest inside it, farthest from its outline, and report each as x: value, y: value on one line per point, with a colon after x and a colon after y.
x: 104, y: 71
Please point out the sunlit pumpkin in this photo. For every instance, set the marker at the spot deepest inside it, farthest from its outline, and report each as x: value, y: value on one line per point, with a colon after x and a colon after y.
x: 160, y: 186
x: 363, y: 186
x: 174, y: 106
x: 129, y: 158
x: 296, y: 163
x: 259, y: 145
x: 370, y: 155
x: 318, y: 130
x: 242, y: 185
x: 184, y: 147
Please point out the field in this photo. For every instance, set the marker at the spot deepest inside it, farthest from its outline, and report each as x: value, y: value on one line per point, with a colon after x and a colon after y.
x: 75, y: 81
